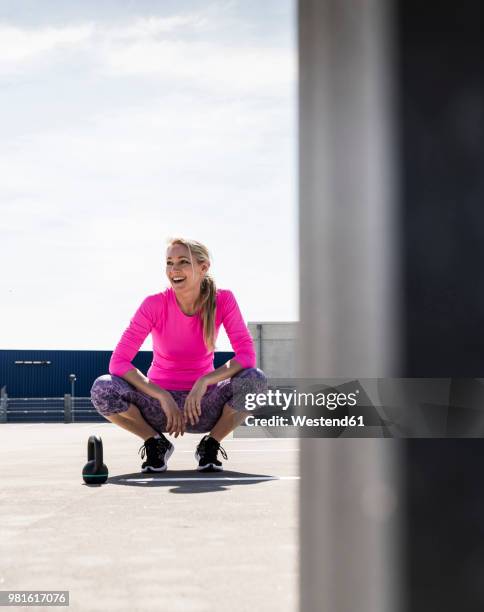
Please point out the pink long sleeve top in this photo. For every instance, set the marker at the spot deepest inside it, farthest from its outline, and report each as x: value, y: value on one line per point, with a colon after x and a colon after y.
x: 180, y: 356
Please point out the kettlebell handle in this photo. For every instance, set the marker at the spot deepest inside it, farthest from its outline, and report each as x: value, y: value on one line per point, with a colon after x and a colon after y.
x: 95, y: 451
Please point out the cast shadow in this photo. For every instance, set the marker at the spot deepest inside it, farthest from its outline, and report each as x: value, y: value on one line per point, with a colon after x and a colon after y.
x: 197, y: 482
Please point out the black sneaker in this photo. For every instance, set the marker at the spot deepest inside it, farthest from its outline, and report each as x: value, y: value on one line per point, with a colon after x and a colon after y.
x: 158, y: 451
x: 206, y: 455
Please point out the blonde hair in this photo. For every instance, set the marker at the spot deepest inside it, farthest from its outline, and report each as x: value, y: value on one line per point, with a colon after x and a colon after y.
x: 206, y: 301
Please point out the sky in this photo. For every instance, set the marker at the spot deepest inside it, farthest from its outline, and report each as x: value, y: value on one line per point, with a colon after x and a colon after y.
x: 125, y: 123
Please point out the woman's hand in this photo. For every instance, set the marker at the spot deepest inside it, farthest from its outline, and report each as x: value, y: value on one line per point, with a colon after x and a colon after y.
x: 175, y: 423
x: 193, y: 401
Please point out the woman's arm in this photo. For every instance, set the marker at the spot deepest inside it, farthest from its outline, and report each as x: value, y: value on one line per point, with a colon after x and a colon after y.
x: 193, y: 401
x: 238, y: 334
x: 240, y: 339
x: 223, y: 372
x: 175, y: 423
x: 139, y: 380
x: 120, y: 364
x: 245, y: 357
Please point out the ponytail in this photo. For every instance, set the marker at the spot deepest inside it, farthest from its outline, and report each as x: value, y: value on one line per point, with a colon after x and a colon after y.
x: 207, y: 307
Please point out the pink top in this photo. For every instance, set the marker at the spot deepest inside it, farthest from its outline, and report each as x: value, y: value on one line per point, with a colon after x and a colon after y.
x: 180, y: 356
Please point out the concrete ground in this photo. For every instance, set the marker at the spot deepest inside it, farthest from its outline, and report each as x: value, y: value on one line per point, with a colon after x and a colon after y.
x: 145, y: 541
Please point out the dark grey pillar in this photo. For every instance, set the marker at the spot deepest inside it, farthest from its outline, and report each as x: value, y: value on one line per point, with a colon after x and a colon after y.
x: 441, y: 76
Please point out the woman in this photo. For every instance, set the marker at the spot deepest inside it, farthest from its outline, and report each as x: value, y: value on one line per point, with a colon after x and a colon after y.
x: 183, y: 392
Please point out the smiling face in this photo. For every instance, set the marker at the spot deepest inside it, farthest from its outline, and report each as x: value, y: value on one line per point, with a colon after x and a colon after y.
x: 182, y: 276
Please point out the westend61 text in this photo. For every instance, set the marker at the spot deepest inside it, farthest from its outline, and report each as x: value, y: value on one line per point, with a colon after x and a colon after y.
x: 303, y: 421
x: 284, y: 400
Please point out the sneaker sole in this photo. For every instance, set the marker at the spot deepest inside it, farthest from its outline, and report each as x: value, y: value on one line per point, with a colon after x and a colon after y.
x: 209, y: 467
x: 163, y: 468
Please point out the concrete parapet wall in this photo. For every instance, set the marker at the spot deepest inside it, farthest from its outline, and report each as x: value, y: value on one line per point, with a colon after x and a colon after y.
x: 275, y: 344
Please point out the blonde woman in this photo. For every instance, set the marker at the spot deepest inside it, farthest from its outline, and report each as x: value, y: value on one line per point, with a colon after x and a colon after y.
x: 182, y: 391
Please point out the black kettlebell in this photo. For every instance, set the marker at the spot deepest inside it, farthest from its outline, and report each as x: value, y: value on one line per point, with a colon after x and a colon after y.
x: 95, y: 471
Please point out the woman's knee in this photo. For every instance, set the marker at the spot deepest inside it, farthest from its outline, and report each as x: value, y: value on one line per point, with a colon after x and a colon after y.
x: 253, y: 377
x: 255, y: 373
x: 101, y: 382
x: 109, y: 382
x: 106, y: 393
x: 246, y: 383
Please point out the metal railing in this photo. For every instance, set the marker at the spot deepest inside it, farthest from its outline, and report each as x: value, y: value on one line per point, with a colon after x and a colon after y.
x: 64, y: 409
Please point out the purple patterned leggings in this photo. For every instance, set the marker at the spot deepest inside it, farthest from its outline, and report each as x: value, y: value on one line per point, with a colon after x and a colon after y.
x: 112, y: 394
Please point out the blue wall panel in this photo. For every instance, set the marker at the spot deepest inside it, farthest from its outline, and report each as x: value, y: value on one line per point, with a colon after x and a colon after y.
x: 52, y: 380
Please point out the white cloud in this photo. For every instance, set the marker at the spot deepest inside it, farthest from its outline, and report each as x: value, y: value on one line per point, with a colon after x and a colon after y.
x: 165, y: 48
x: 20, y: 45
x: 153, y: 27
x: 239, y: 69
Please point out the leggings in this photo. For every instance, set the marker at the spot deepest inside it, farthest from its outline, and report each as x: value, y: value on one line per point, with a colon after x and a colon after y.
x: 112, y: 394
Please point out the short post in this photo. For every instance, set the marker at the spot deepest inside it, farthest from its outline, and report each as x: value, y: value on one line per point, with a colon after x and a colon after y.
x: 72, y: 378
x: 3, y: 404
x: 67, y: 408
